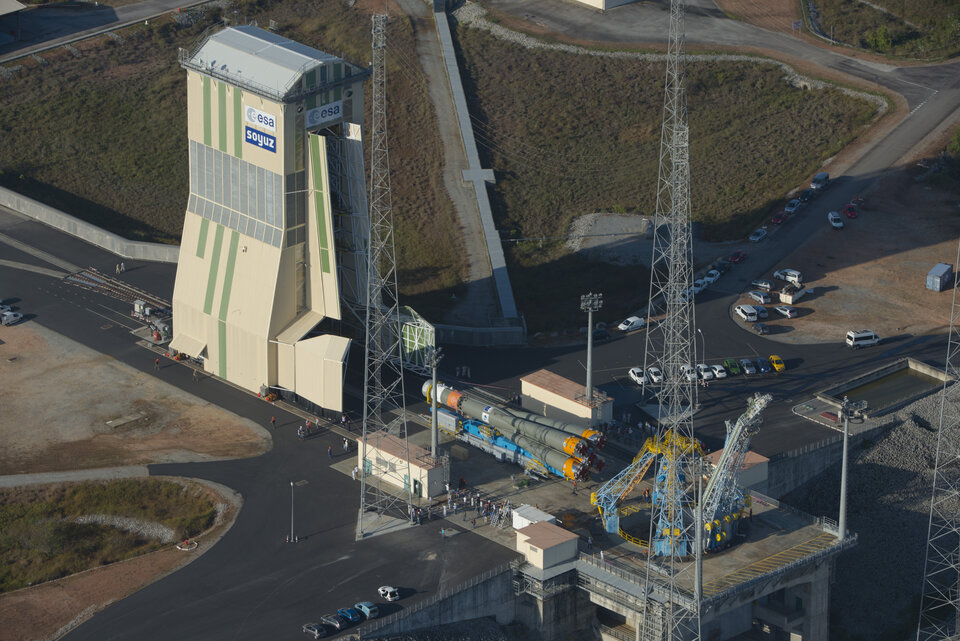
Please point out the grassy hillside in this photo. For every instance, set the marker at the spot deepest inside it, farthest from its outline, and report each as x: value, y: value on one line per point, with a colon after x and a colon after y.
x: 41, y: 541
x: 585, y: 137
x: 914, y: 28
x: 103, y: 136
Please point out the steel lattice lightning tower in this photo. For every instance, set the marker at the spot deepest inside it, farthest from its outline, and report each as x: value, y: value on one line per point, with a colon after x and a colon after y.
x: 673, y: 528
x: 384, y: 411
x: 940, y: 605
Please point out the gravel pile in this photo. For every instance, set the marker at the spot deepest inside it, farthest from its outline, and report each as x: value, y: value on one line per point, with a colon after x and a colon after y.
x: 474, y: 15
x: 878, y: 583
x: 146, y: 529
x: 476, y: 630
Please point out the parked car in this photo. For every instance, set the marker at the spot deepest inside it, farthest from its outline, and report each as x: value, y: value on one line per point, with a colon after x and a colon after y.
x: 732, y: 366
x: 723, y: 266
x: 600, y: 335
x: 746, y: 312
x: 792, y: 276
x: 777, y: 363
x: 834, y: 219
x: 5, y: 308
x: 367, y: 609
x: 786, y: 311
x: 792, y: 206
x: 699, y: 285
x: 350, y: 614
x: 757, y: 235
x: 712, y: 276
x: 334, y: 621
x: 764, y: 285
x: 806, y: 195
x: 704, y: 371
x: 689, y: 373
x: 718, y: 371
x: 738, y: 256
x: 820, y: 181
x: 389, y: 593
x: 655, y: 375
x: 316, y: 630
x: 850, y: 210
x: 747, y: 366
x: 761, y: 297
x: 761, y: 328
x: 779, y: 218
x: 637, y: 376
x: 631, y: 324
x: 763, y: 366
x: 761, y: 311
x: 10, y: 318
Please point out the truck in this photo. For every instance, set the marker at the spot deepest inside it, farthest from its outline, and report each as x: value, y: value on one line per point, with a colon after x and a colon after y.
x: 790, y: 294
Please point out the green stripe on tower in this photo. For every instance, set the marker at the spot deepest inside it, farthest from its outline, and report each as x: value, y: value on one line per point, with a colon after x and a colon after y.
x: 222, y: 114
x: 202, y: 241
x: 207, y: 127
x: 214, y: 269
x: 222, y: 342
x: 318, y: 201
x: 228, y: 275
x: 337, y: 71
x: 237, y: 123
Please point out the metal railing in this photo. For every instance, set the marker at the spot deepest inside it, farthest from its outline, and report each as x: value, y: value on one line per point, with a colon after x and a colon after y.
x: 620, y: 632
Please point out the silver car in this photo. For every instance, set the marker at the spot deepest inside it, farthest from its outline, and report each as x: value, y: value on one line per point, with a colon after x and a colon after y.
x: 747, y: 366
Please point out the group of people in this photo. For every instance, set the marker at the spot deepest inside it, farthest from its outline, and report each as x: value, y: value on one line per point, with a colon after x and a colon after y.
x: 120, y: 268
x: 307, y: 429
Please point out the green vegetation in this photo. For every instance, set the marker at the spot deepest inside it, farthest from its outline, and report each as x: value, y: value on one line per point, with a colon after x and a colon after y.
x: 103, y: 136
x: 40, y: 540
x: 585, y: 137
x: 912, y: 28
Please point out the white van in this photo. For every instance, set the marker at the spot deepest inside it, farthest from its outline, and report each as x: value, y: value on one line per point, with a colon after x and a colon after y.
x: 746, y: 312
x: 862, y: 338
x: 792, y: 276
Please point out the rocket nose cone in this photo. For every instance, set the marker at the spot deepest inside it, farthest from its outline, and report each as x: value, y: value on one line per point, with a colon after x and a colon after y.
x: 426, y: 389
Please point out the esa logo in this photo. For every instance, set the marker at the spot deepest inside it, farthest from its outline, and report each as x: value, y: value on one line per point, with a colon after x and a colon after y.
x: 261, y: 119
x: 262, y: 140
x: 326, y: 113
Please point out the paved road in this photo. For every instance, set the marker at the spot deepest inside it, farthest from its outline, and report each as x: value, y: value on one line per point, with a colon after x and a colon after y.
x: 251, y: 585
x: 52, y: 26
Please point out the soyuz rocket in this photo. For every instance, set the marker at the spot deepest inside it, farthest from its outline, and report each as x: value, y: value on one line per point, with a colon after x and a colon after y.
x: 562, y: 446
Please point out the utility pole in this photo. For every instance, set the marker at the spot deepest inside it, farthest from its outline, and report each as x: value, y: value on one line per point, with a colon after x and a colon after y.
x: 291, y: 512
x: 434, y: 355
x: 846, y: 408
x: 590, y: 303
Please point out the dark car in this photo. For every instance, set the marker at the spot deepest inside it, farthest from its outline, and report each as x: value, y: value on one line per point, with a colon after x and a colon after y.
x: 316, y: 630
x: 334, y: 620
x: 761, y: 328
x: 350, y: 614
x: 722, y: 266
x: 600, y: 335
x: 779, y: 218
x: 761, y: 311
x: 732, y: 366
x: 806, y: 195
x: 738, y: 256
x: 763, y: 365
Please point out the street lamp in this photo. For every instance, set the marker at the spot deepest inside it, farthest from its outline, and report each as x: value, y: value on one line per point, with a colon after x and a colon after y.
x: 703, y: 342
x: 590, y: 303
x: 845, y: 409
x: 291, y: 511
x: 433, y: 358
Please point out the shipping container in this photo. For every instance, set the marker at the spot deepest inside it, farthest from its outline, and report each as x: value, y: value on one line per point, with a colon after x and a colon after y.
x: 940, y: 277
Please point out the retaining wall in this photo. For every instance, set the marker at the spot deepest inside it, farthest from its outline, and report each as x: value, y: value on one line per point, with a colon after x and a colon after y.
x: 91, y: 233
x: 489, y: 595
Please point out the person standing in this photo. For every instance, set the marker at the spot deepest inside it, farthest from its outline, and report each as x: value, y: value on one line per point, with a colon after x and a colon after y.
x: 156, y: 364
x: 195, y: 377
x: 346, y: 446
x: 123, y: 268
x: 273, y: 422
x: 329, y: 451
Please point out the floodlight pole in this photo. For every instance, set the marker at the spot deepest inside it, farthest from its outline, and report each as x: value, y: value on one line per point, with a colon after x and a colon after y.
x: 291, y: 512
x: 590, y: 303
x: 433, y: 359
x: 845, y: 409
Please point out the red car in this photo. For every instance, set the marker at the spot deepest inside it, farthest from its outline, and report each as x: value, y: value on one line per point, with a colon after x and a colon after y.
x: 850, y: 210
x: 738, y: 256
x: 779, y: 218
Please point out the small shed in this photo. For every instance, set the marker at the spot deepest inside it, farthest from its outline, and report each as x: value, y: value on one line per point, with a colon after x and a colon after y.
x: 545, y: 545
x: 554, y: 396
x: 940, y: 277
x: 528, y: 515
x: 385, y: 459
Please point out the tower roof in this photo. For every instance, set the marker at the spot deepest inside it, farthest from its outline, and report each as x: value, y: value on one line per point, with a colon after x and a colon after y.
x: 256, y: 59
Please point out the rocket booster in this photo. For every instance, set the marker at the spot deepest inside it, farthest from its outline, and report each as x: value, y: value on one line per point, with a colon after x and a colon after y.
x: 593, y: 436
x: 507, y: 423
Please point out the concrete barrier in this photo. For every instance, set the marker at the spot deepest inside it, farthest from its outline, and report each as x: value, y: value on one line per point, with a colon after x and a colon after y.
x: 92, y: 234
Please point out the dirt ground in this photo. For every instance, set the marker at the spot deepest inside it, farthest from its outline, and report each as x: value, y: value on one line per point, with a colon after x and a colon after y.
x: 58, y: 396
x: 872, y: 273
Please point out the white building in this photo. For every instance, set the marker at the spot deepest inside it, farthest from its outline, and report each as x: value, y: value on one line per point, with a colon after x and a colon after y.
x: 274, y: 234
